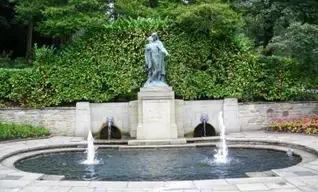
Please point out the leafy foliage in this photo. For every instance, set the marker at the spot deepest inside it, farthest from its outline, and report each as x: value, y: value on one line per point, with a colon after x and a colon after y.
x: 101, y: 59
x: 300, y: 42
x: 18, y: 131
x: 7, y: 62
x: 215, y: 18
x: 108, y: 64
x: 63, y: 19
x: 279, y: 80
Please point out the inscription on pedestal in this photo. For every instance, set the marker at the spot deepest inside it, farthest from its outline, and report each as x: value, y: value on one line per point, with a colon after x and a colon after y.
x: 156, y: 117
x: 156, y: 111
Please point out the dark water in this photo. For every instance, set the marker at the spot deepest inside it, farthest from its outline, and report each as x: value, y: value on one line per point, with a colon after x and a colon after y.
x: 157, y: 164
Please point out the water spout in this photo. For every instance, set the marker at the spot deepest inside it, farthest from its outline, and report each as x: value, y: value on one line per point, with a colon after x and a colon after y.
x: 204, y: 119
x: 222, y: 152
x: 90, y: 150
x: 110, y: 122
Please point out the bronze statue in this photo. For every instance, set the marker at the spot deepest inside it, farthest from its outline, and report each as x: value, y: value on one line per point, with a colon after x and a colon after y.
x: 155, y: 53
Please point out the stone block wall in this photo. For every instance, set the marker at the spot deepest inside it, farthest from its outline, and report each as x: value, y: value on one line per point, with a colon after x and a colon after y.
x: 60, y: 120
x: 255, y: 116
x: 238, y: 117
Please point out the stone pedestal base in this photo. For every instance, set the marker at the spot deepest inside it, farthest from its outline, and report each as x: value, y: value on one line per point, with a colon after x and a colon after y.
x: 156, y: 114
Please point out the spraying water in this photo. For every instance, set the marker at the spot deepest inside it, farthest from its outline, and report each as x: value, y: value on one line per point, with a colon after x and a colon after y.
x: 204, y: 119
x: 90, y: 150
x: 221, y: 155
x: 204, y: 129
x: 110, y: 122
x: 109, y: 125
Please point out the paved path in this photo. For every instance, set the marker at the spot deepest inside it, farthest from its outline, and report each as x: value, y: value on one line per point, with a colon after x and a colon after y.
x: 302, y: 177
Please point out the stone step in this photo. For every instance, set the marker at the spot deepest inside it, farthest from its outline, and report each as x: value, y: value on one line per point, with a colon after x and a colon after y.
x: 158, y: 142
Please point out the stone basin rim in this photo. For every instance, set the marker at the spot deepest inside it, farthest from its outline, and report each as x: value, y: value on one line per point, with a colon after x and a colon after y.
x: 232, y: 141
x: 10, y: 161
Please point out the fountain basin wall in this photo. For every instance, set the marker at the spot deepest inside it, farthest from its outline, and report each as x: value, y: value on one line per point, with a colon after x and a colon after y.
x: 158, y: 164
x: 62, y: 120
x: 199, y: 155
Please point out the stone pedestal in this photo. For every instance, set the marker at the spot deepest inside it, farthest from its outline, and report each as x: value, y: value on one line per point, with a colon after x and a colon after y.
x: 156, y: 114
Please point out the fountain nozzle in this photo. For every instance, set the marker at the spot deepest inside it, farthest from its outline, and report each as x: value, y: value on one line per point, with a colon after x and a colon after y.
x: 204, y: 118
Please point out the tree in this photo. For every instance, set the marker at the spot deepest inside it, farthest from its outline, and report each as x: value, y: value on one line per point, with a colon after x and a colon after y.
x: 300, y: 42
x: 267, y: 18
x: 62, y: 20
x: 29, y: 12
x: 209, y: 18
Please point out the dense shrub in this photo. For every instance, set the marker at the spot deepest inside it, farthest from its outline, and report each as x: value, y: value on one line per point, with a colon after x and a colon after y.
x: 17, y: 131
x: 279, y: 80
x: 107, y: 64
x: 308, y: 125
x: 5, y: 87
x: 300, y: 42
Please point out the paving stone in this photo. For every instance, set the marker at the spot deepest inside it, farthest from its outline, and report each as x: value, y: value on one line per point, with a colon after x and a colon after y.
x: 254, y: 180
x: 206, y: 190
x: 11, y: 177
x: 179, y: 184
x: 226, y: 191
x: 307, y: 189
x: 281, y: 185
x: 16, y: 190
x: 252, y: 187
x: 99, y: 190
x: 109, y: 185
x: 79, y: 189
x: 224, y: 188
x: 295, y: 181
x: 304, y: 173
x: 58, y: 189
x: 209, y: 183
x: 191, y: 190
x: 4, y: 190
x: 13, y: 184
x: 61, y: 183
x: 34, y: 189
x: 145, y: 184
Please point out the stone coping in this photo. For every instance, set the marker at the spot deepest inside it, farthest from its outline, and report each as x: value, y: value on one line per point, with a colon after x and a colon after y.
x: 277, y: 102
x: 301, y: 177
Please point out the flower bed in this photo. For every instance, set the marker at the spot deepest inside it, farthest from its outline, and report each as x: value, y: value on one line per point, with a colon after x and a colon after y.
x: 306, y: 124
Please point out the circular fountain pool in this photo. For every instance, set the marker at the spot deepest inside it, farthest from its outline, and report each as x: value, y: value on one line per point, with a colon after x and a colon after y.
x: 157, y: 164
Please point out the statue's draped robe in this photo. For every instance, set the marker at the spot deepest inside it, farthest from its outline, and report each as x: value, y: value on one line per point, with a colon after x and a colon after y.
x: 154, y: 55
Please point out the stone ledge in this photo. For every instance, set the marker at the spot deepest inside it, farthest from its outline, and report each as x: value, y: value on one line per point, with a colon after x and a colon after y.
x: 157, y: 142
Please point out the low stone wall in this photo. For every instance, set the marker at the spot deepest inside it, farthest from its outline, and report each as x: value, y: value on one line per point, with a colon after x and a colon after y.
x: 60, y: 120
x: 237, y: 116
x: 255, y: 116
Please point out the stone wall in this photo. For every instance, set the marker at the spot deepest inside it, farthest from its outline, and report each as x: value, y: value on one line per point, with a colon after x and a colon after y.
x: 60, y: 121
x: 76, y: 121
x: 255, y: 116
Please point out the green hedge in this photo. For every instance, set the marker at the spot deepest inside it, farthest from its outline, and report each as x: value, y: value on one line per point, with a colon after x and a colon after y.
x: 108, y: 65
x: 18, y: 131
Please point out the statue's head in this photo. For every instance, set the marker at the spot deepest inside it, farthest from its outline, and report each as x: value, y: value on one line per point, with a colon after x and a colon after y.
x: 150, y: 39
x: 155, y: 36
